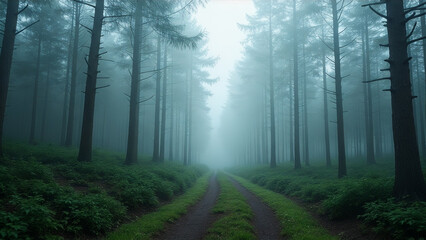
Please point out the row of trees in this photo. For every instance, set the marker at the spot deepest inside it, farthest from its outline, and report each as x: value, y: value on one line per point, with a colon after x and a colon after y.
x: 307, y: 60
x: 66, y: 42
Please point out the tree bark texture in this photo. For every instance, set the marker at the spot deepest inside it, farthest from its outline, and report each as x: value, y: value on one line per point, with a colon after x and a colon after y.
x: 408, y: 174
x: 85, y: 150
x: 6, y: 56
x: 133, y: 132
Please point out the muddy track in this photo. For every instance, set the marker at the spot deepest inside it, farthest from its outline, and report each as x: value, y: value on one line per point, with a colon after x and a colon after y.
x: 266, y: 224
x: 194, y: 224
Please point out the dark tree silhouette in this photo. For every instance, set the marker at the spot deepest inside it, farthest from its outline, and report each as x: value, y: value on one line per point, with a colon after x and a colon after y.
x: 73, y: 83
x: 408, y: 174
x: 132, y: 138
x: 6, y: 55
x: 338, y: 83
x: 85, y: 150
x: 297, y: 164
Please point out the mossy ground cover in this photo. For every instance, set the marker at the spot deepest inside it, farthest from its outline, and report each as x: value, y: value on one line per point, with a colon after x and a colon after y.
x: 235, y: 214
x: 360, y: 194
x: 45, y: 193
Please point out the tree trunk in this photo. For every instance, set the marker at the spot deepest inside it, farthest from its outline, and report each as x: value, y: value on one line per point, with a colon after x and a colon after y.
x: 368, y: 105
x: 273, y: 162
x: 6, y: 59
x: 190, y: 115
x: 46, y: 104
x: 71, y: 107
x: 67, y: 85
x: 172, y: 116
x: 370, y: 129
x: 133, y: 132
x: 35, y: 94
x: 339, y: 98
x: 290, y: 95
x: 163, y: 107
x: 185, y: 131
x: 156, y: 150
x: 423, y: 26
x: 408, y: 172
x: 305, y: 113
x: 297, y: 164
x: 326, y: 128
x: 85, y: 151
x: 420, y: 110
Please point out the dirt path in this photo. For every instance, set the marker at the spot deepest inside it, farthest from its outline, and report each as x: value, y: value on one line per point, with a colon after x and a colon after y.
x: 194, y: 224
x: 266, y: 224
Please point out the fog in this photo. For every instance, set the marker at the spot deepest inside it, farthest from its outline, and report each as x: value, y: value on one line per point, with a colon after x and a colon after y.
x: 215, y: 82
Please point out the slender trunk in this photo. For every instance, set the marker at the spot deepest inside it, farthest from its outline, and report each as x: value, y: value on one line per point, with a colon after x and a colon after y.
x: 273, y: 162
x: 339, y: 98
x: 185, y: 131
x: 364, y: 91
x: 35, y: 94
x: 305, y: 112
x: 408, y: 174
x: 326, y: 127
x: 156, y: 152
x: 6, y: 56
x: 172, y: 116
x: 265, y: 126
x: 67, y: 85
x: 46, y: 104
x: 420, y: 110
x: 370, y: 130
x: 143, y: 129
x: 85, y: 151
x: 133, y: 131
x: 178, y: 135
x: 258, y: 146
x: 290, y: 95
x: 423, y: 26
x: 163, y: 108
x: 71, y: 107
x: 190, y: 128
x: 297, y: 164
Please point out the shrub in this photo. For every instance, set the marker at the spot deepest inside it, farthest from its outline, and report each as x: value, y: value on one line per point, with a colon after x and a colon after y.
x: 349, y: 201
x: 31, y: 169
x: 12, y: 226
x: 36, y: 217
x: 402, y: 220
x: 41, y: 190
x: 91, y: 213
x: 278, y: 185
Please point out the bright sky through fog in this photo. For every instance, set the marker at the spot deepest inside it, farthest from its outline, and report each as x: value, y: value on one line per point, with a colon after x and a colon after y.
x: 220, y: 20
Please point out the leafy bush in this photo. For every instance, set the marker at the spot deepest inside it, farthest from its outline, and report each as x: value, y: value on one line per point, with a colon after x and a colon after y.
x: 12, y: 226
x: 44, y: 191
x: 29, y: 217
x: 91, y: 213
x: 402, y: 220
x: 349, y: 201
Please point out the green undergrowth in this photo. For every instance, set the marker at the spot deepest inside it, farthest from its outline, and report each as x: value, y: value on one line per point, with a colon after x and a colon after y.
x: 235, y: 214
x: 153, y: 223
x: 295, y: 221
x: 46, y: 194
x: 364, y: 189
x: 401, y: 219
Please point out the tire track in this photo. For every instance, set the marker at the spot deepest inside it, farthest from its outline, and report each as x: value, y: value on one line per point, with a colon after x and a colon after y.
x: 194, y: 224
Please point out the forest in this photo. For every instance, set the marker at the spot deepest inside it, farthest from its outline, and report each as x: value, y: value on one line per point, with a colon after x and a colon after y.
x: 213, y: 119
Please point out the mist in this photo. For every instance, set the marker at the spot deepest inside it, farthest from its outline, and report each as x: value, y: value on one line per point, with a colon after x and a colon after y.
x: 132, y: 105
